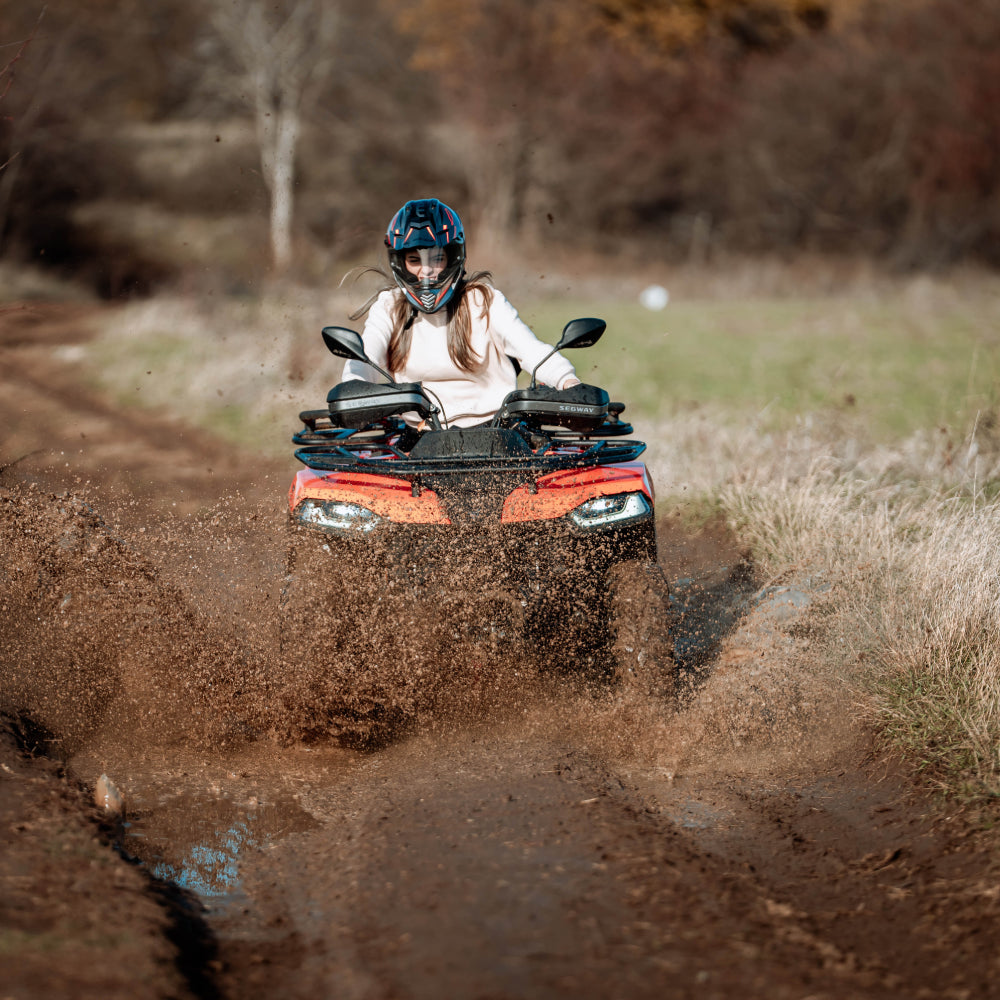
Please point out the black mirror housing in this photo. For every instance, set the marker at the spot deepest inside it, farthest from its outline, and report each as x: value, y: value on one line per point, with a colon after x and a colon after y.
x: 345, y: 343
x: 581, y: 333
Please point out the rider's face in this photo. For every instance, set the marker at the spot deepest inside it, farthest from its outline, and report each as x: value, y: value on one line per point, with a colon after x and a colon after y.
x: 426, y: 265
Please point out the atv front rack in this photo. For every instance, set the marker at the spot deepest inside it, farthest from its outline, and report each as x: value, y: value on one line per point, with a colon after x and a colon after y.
x: 334, y: 449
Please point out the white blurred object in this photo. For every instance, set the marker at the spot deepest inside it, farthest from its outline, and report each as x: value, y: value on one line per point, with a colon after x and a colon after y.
x: 108, y: 797
x: 654, y: 297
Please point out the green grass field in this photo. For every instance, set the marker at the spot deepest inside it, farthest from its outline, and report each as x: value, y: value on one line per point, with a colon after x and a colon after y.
x: 889, y: 365
x: 877, y: 365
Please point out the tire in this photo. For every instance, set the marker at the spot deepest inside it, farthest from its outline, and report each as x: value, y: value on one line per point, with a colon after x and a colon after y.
x: 640, y: 626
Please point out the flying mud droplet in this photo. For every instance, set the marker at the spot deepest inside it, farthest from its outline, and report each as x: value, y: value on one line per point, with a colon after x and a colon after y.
x: 764, y: 692
x: 127, y: 652
x: 367, y: 652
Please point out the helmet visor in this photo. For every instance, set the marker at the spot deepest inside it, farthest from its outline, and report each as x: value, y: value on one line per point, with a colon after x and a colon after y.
x: 424, y: 263
x: 428, y: 274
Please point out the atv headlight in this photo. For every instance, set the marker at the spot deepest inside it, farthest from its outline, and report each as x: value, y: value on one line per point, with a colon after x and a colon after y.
x: 336, y: 515
x: 608, y: 510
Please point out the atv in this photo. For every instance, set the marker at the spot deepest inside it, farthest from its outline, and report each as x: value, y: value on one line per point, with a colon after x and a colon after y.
x: 536, y: 530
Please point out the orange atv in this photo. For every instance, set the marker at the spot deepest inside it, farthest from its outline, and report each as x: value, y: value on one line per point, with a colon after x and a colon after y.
x: 537, y: 527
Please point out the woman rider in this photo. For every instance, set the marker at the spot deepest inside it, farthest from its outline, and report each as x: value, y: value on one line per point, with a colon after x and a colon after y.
x: 453, y: 332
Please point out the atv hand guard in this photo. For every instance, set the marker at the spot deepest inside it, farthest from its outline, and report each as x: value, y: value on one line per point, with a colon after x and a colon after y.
x: 357, y: 404
x: 580, y: 408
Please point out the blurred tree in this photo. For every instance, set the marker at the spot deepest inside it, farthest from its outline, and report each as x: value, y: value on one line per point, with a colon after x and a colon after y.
x: 675, y: 27
x: 10, y: 166
x: 681, y: 125
x: 952, y: 104
x: 558, y: 126
x: 574, y: 109
x: 502, y: 68
x: 884, y: 140
x: 19, y: 48
x: 281, y: 54
x: 372, y: 140
x: 93, y: 69
x: 38, y: 121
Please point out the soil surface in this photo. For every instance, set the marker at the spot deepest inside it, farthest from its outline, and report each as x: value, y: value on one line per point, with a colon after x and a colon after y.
x: 180, y: 819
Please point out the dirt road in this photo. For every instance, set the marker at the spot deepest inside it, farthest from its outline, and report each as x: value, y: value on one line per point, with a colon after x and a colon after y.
x: 524, y: 839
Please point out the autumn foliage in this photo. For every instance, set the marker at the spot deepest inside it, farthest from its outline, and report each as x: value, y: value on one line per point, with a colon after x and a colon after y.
x: 695, y: 127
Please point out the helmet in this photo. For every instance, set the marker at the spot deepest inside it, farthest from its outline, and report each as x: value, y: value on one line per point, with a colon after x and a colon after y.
x: 425, y: 226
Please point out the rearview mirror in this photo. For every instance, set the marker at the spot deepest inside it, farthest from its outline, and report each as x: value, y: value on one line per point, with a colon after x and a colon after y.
x: 576, y: 333
x: 348, y: 344
x: 345, y: 343
x: 581, y: 333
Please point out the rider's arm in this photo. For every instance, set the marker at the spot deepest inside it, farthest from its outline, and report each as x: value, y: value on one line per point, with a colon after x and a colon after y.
x: 376, y: 334
x: 519, y: 342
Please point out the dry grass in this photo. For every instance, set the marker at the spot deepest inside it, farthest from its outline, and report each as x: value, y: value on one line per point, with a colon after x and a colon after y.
x: 910, y: 548
x: 242, y: 367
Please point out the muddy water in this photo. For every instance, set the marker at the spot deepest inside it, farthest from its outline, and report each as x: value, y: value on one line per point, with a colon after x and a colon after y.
x: 504, y: 861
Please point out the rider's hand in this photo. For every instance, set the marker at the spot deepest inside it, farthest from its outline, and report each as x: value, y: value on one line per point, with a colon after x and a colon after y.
x: 570, y: 382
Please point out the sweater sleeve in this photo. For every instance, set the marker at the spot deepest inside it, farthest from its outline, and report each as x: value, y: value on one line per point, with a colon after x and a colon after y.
x: 376, y: 334
x: 517, y: 340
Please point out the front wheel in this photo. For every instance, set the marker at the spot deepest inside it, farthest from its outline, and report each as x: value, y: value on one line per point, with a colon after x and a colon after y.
x: 640, y: 625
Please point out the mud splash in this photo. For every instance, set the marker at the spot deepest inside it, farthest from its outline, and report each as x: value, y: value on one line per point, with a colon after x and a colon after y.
x: 523, y: 832
x: 83, y: 615
x: 366, y: 657
x: 184, y: 633
x: 189, y: 632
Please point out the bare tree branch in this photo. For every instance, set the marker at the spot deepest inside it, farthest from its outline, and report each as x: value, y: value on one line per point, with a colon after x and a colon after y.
x: 283, y: 54
x: 7, y: 73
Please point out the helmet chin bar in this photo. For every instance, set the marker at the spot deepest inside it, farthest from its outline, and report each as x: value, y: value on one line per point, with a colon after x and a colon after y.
x: 425, y: 295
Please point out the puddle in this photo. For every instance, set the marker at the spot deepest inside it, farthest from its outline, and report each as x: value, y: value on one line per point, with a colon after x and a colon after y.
x: 694, y: 815
x: 706, y: 613
x: 199, y: 844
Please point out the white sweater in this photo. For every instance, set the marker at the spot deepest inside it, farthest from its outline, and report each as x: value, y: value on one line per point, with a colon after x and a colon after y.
x: 466, y: 398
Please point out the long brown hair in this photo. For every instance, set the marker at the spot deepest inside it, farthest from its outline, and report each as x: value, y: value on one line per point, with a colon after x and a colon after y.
x: 459, y: 323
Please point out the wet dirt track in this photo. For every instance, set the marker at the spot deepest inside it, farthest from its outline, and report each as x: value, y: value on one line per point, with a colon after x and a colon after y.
x: 566, y: 844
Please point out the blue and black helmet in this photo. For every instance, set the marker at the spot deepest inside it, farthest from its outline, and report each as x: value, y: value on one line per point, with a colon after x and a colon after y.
x: 426, y: 235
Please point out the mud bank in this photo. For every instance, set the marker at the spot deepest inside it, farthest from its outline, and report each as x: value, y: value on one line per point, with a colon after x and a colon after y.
x: 76, y: 920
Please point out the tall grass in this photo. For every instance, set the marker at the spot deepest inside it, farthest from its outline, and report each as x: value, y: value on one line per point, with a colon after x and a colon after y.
x: 913, y: 613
